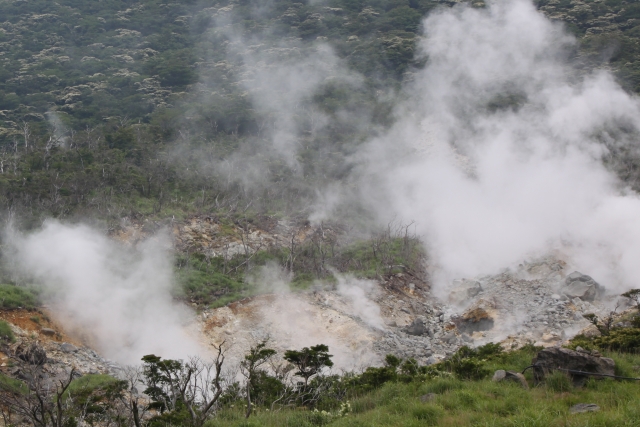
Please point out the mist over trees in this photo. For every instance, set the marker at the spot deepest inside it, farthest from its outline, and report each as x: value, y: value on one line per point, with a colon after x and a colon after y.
x: 118, y: 109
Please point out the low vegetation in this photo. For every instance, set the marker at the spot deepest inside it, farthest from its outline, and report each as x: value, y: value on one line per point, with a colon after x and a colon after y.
x: 6, y: 334
x: 299, y: 390
x: 216, y: 281
x: 13, y: 297
x: 443, y: 395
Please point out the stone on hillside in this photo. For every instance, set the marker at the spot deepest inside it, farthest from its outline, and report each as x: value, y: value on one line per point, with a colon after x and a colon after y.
x: 68, y: 348
x: 429, y: 397
x: 565, y: 360
x: 517, y: 377
x: 464, y: 290
x: 590, y: 331
x: 477, y: 318
x: 578, y: 285
x: 584, y: 407
x: 47, y: 331
x: 417, y: 327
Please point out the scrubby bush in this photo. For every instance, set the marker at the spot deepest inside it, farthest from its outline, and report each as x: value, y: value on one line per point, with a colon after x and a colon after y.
x: 620, y: 339
x: 467, y: 364
x: 6, y: 334
x: 13, y: 297
x: 89, y: 383
x: 12, y: 385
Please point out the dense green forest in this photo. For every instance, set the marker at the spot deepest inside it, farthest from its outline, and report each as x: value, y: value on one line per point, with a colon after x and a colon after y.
x: 116, y: 109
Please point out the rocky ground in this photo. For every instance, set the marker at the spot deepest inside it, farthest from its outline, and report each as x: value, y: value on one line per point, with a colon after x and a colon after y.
x: 38, y: 339
x: 541, y: 302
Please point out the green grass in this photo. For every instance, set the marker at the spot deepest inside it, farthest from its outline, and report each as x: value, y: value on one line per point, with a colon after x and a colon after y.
x: 89, y: 383
x: 12, y: 385
x: 13, y: 297
x: 375, y: 257
x: 481, y: 403
x: 6, y: 334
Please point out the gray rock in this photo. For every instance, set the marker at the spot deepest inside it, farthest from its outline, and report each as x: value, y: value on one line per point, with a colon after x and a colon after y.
x: 48, y: 332
x: 584, y: 407
x: 68, y: 348
x: 432, y: 360
x: 450, y: 337
x: 502, y: 375
x: 429, y: 397
x: 417, y: 327
x: 554, y: 358
x: 578, y: 285
x: 464, y: 290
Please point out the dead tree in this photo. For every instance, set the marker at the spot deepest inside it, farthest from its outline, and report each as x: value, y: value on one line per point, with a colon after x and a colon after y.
x: 39, y: 399
x: 195, y: 385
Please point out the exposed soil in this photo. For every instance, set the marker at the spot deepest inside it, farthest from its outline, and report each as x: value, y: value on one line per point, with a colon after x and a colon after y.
x: 34, y: 322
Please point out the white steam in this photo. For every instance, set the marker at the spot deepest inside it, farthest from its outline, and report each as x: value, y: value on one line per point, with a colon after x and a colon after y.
x: 498, y: 155
x: 359, y: 295
x: 117, y: 296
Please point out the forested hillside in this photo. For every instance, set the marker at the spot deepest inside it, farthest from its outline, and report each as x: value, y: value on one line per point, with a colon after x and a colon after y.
x: 138, y: 108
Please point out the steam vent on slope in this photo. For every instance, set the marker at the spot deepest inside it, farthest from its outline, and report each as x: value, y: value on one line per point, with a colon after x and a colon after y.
x: 468, y: 177
x: 541, y: 302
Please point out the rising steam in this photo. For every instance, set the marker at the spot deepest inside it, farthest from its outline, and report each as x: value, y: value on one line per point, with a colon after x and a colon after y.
x: 117, y: 296
x: 498, y: 155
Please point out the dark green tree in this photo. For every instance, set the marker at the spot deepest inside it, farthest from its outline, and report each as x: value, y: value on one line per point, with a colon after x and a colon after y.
x: 309, y: 361
x: 250, y: 367
x: 184, y: 392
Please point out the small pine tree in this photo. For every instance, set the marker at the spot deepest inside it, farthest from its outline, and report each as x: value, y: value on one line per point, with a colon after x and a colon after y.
x: 309, y: 361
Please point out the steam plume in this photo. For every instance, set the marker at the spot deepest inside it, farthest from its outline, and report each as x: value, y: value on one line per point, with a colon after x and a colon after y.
x: 116, y: 295
x: 498, y: 156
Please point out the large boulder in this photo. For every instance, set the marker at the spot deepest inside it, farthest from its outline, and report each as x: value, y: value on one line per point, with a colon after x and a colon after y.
x: 464, y: 290
x: 578, y: 285
x: 516, y: 377
x: 478, y: 317
x: 571, y: 362
x: 417, y: 327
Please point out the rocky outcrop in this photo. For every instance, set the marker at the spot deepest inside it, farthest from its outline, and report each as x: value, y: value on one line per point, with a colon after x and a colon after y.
x: 464, y: 290
x: 417, y: 327
x: 578, y: 285
x: 502, y: 375
x: 479, y: 317
x: 573, y: 363
x: 580, y: 408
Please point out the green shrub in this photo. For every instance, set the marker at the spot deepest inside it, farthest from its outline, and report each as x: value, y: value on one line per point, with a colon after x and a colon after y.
x: 91, y: 382
x: 489, y: 350
x: 618, y: 339
x: 12, y: 385
x: 6, y: 334
x: 622, y: 339
x: 467, y: 368
x: 13, y: 297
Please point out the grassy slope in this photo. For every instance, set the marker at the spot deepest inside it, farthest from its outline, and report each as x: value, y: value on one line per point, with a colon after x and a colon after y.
x: 477, y: 403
